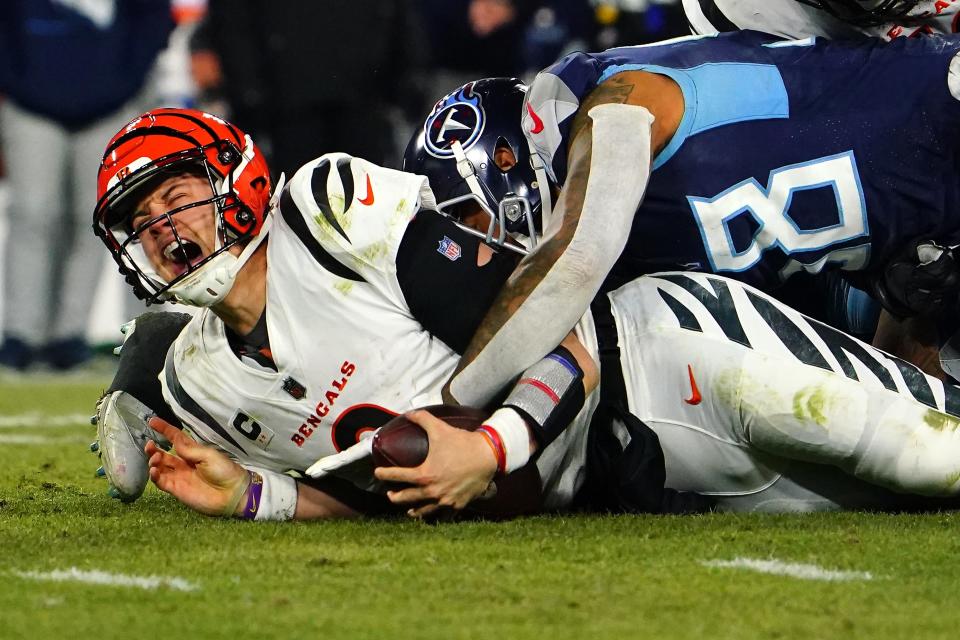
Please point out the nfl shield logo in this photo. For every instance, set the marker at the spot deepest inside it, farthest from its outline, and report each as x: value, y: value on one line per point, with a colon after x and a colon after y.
x: 449, y: 249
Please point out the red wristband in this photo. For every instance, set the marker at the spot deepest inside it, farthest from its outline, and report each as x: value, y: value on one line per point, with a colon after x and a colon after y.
x: 493, y: 439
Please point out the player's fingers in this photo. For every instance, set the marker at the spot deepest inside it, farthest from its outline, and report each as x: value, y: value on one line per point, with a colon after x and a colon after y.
x: 406, y: 475
x: 158, y: 458
x: 425, y: 419
x: 167, y: 477
x: 166, y: 463
x: 425, y: 510
x: 163, y: 427
x: 166, y: 484
x: 410, y: 495
x: 151, y: 448
x: 186, y: 447
x: 161, y: 479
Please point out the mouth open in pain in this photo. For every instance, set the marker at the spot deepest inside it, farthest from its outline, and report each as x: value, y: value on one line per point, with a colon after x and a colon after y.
x: 182, y: 255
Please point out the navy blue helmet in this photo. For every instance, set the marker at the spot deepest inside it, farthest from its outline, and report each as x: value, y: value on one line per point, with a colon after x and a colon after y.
x: 456, y: 149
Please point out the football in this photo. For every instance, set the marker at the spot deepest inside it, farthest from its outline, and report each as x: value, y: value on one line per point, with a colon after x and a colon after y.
x: 401, y: 443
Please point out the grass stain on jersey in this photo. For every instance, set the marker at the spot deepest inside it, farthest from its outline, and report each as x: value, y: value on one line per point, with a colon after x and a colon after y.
x: 726, y: 387
x: 190, y: 352
x: 339, y: 213
x: 400, y: 218
x: 324, y: 228
x: 812, y: 403
x: 940, y: 421
x: 376, y: 252
x: 344, y: 287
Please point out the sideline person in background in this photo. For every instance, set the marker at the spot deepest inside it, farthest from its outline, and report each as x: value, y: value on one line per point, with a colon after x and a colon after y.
x: 71, y: 73
x: 323, y: 75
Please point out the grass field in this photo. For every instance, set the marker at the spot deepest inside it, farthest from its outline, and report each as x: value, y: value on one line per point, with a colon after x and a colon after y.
x: 174, y: 573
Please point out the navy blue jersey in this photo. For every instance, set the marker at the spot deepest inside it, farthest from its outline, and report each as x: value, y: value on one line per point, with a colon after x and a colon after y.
x: 791, y: 155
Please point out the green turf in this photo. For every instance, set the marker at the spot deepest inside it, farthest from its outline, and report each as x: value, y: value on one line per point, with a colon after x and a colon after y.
x: 547, y: 578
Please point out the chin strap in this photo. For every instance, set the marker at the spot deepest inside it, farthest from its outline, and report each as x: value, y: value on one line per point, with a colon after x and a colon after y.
x: 277, y: 192
x: 469, y: 173
x: 543, y: 185
x: 211, y: 283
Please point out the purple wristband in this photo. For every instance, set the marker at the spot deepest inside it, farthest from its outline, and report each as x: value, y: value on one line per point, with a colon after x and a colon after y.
x: 253, y: 497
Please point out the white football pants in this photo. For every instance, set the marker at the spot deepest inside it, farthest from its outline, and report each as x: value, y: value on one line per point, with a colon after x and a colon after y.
x: 767, y: 410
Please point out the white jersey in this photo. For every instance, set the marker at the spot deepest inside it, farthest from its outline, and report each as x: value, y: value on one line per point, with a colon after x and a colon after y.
x: 348, y: 351
x: 793, y: 19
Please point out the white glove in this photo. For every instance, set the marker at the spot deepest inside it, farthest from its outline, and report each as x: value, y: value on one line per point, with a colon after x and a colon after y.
x: 328, y: 464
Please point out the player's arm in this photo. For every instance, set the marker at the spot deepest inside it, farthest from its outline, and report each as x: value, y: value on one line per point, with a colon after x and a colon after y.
x: 208, y: 481
x: 917, y: 287
x: 913, y: 339
x: 449, y: 293
x: 619, y: 128
x: 448, y: 286
x: 460, y: 464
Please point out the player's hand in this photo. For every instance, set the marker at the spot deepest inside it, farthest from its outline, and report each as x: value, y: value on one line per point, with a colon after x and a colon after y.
x: 922, y: 279
x: 458, y: 469
x: 199, y: 476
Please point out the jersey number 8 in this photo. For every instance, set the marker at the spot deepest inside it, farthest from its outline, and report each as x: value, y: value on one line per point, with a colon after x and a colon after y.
x: 808, y: 249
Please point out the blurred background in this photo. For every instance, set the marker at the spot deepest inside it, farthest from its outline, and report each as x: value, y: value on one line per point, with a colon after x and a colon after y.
x: 303, y: 77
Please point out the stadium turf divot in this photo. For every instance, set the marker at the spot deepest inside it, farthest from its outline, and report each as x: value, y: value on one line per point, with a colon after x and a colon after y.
x: 792, y: 570
x: 112, y: 579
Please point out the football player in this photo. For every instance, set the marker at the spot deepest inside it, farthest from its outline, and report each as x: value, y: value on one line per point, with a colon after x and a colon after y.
x: 363, y: 306
x: 844, y: 19
x: 838, y: 19
x: 327, y: 307
x: 737, y: 154
x: 756, y: 408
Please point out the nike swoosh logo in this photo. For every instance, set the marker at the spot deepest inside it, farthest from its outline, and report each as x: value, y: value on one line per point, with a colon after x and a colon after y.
x: 253, y: 509
x: 695, y: 397
x: 537, y: 122
x: 369, y: 199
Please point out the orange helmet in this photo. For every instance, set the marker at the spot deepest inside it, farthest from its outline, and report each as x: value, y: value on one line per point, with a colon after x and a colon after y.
x: 166, y: 142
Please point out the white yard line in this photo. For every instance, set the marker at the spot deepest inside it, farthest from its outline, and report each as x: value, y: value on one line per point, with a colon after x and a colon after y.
x: 36, y: 419
x: 46, y: 440
x: 793, y: 570
x: 113, y: 579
